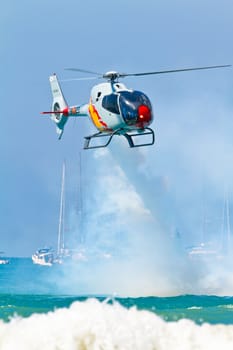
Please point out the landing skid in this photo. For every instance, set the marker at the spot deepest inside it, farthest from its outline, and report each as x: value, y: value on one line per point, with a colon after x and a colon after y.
x: 128, y: 135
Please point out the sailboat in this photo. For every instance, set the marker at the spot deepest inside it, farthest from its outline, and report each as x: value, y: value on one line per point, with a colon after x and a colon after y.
x: 220, y: 249
x: 47, y: 256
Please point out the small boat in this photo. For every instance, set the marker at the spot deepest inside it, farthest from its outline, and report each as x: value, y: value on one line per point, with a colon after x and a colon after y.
x: 204, y: 250
x: 3, y: 261
x: 44, y: 256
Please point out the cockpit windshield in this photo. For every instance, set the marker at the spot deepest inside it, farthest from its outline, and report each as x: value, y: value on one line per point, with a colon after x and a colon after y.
x: 134, y: 106
x: 129, y: 103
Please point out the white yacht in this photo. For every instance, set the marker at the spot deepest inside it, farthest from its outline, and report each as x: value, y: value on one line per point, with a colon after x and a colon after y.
x: 3, y: 261
x: 44, y: 256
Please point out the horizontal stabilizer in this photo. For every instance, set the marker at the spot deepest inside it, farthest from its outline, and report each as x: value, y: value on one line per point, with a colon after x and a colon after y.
x: 65, y: 111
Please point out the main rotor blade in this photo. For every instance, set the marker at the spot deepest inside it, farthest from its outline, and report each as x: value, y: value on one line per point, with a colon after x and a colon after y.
x: 172, y: 71
x: 83, y: 71
x: 75, y: 79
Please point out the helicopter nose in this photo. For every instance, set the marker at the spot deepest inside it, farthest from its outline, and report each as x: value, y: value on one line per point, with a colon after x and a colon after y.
x: 144, y: 115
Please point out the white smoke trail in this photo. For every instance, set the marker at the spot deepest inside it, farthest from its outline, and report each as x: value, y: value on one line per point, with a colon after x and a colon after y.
x: 135, y: 200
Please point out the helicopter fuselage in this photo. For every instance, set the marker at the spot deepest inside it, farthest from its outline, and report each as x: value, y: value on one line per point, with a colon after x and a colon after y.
x: 113, y: 109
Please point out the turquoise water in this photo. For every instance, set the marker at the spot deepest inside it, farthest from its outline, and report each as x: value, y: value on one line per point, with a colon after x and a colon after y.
x: 26, y: 288
x: 200, y: 309
x: 37, y: 312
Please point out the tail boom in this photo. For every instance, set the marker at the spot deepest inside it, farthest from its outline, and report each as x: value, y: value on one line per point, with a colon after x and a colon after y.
x: 60, y: 110
x: 75, y: 111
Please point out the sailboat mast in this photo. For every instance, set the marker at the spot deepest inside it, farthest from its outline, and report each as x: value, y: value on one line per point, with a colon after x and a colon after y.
x: 60, y: 241
x: 228, y: 225
x: 81, y: 237
x: 226, y: 238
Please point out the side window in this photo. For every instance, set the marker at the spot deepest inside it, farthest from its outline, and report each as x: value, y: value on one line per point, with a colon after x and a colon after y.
x: 110, y: 103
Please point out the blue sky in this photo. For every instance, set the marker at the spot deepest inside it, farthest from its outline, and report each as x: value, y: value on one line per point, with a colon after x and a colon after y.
x: 191, y: 161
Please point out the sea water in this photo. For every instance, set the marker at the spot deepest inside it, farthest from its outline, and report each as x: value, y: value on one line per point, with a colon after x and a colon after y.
x: 35, y: 314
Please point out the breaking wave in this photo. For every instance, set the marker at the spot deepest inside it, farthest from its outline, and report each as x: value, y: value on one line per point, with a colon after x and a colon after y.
x: 96, y: 325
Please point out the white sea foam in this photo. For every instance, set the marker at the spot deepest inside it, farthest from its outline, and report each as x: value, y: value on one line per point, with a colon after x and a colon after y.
x: 92, y: 325
x: 226, y: 306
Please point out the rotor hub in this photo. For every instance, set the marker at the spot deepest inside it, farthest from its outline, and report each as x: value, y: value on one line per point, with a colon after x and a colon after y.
x: 111, y: 75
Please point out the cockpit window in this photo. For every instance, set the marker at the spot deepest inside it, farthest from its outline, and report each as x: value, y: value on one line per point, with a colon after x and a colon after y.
x: 110, y: 102
x: 129, y: 103
x: 135, y: 97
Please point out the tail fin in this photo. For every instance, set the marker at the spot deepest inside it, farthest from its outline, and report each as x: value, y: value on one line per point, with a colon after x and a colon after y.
x: 59, y: 104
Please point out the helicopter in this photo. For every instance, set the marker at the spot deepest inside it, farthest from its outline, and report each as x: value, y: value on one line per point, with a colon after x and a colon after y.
x: 113, y: 108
